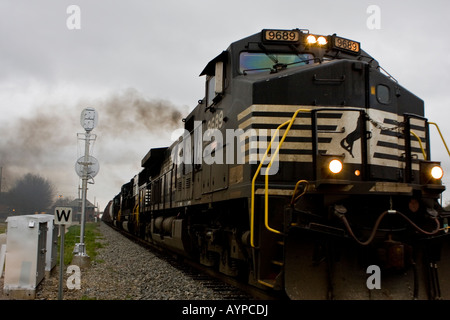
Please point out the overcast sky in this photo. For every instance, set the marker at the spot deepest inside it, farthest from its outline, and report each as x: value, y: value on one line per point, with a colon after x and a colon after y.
x: 138, y: 63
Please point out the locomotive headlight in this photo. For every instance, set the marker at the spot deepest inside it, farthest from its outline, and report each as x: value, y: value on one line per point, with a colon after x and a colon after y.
x: 318, y: 40
x: 431, y: 173
x: 330, y: 167
x: 311, y: 39
x: 437, y: 172
x: 322, y: 40
x: 335, y: 166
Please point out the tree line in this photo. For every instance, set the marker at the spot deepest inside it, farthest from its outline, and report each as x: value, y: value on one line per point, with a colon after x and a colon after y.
x: 30, y: 194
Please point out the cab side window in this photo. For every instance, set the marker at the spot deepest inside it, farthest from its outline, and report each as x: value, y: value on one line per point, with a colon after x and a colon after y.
x: 215, y: 84
x: 210, y: 90
x: 383, y: 94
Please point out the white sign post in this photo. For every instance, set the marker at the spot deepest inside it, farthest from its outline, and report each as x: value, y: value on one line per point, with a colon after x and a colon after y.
x: 63, y: 216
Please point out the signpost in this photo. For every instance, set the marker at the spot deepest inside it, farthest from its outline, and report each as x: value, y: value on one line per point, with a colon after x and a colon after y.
x: 63, y: 216
x: 86, y: 167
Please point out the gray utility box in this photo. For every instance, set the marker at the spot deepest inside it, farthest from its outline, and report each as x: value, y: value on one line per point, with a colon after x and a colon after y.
x: 30, y: 252
x: 51, y: 256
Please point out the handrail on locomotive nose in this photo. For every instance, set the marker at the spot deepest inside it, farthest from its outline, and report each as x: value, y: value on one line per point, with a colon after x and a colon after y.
x: 289, y: 123
x: 442, y: 137
x: 420, y: 144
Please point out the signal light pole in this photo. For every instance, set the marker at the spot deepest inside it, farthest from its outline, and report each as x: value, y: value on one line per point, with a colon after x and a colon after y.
x: 86, y: 167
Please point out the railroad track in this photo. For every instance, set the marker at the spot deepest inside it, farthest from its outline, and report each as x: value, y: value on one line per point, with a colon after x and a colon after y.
x: 229, y: 287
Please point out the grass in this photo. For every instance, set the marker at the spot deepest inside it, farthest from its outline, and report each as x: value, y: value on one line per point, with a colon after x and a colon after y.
x: 91, y: 234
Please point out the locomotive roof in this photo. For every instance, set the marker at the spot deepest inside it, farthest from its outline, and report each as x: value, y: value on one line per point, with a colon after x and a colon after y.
x: 257, y: 42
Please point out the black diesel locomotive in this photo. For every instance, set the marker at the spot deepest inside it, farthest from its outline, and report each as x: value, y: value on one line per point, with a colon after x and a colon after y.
x: 306, y: 168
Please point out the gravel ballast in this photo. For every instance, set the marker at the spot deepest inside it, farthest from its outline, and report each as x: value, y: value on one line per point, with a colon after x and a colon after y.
x: 124, y: 270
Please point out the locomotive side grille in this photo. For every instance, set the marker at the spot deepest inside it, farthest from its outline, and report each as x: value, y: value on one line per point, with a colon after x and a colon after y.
x: 188, y: 183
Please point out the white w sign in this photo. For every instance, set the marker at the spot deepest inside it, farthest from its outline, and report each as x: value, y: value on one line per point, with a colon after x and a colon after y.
x: 63, y: 215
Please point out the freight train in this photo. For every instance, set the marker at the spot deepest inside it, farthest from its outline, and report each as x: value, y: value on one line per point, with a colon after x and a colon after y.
x: 305, y: 169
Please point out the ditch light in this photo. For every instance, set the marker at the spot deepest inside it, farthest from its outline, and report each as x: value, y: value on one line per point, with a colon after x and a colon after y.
x: 431, y: 172
x: 329, y: 167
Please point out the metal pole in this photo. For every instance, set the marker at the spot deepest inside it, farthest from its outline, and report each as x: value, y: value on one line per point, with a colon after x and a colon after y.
x: 62, y: 231
x: 88, y: 121
x: 84, y: 193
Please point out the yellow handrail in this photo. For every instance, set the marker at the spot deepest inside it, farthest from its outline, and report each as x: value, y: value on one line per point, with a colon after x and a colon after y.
x: 420, y: 144
x: 266, y: 198
x: 252, y: 208
x: 136, y: 212
x: 442, y: 137
x: 294, y: 198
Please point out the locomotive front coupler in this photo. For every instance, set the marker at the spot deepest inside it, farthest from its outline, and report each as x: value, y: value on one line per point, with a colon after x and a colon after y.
x: 306, y: 220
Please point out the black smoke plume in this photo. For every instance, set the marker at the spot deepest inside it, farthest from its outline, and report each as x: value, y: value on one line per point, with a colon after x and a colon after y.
x: 130, y: 111
x: 45, y: 141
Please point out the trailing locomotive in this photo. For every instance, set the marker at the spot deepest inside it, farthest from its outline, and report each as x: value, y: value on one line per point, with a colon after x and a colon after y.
x: 305, y: 166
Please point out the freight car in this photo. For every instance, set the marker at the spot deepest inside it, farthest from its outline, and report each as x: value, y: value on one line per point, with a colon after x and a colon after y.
x: 306, y: 168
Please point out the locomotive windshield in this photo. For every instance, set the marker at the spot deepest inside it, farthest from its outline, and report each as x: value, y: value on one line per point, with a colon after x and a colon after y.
x: 260, y: 61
